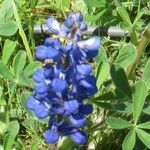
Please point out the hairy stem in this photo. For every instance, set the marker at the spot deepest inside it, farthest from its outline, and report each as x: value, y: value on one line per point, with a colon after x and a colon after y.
x: 140, y: 47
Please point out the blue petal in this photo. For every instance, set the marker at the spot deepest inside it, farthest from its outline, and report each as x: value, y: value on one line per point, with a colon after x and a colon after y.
x: 59, y: 85
x: 43, y: 52
x: 86, y: 109
x: 78, y: 18
x: 77, y: 120
x: 69, y: 22
x: 51, y: 136
x: 88, y: 82
x: 52, y: 42
x: 53, y: 25
x: 83, y: 26
x: 79, y: 137
x: 38, y: 75
x: 90, y: 44
x: 41, y: 88
x: 57, y: 108
x: 71, y: 106
x: 31, y: 102
x: 40, y: 96
x: 41, y: 111
x: 48, y: 71
x: 84, y: 69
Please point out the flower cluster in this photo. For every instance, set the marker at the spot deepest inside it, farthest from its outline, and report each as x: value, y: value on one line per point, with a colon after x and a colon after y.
x: 65, y: 80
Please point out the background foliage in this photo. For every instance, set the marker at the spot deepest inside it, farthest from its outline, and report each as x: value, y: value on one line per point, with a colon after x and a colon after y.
x: 121, y: 117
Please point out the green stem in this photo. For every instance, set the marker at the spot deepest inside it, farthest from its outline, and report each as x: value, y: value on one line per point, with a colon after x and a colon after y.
x: 21, y: 32
x: 140, y: 47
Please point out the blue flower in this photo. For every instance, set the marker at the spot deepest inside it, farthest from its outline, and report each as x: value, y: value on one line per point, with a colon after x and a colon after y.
x: 65, y: 80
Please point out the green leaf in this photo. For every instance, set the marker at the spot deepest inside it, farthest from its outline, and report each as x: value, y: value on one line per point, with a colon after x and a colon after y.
x: 66, y: 143
x: 93, y: 3
x: 118, y: 123
x: 8, y: 28
x: 145, y: 125
x: 13, y: 128
x: 124, y: 107
x: 129, y: 141
x: 146, y: 74
x: 105, y: 105
x: 146, y: 110
x: 124, y: 15
x: 102, y: 73
x: 19, y: 62
x: 144, y: 137
x: 8, y: 49
x: 5, y: 73
x: 126, y: 55
x: 138, y: 97
x: 110, y: 96
x: 6, y: 11
x: 24, y: 80
x: 102, y: 56
x: 34, y: 145
x: 32, y: 67
x: 8, y: 142
x: 120, y: 80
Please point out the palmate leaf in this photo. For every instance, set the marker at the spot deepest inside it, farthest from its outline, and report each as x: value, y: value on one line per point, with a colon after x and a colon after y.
x: 144, y: 137
x: 138, y: 97
x: 120, y: 80
x: 129, y: 141
x: 118, y: 123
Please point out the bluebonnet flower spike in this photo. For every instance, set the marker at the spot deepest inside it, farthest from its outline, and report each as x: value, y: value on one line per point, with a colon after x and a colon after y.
x: 65, y: 80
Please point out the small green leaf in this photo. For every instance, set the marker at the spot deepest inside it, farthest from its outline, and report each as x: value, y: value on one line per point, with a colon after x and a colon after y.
x: 126, y: 55
x: 8, y: 28
x: 8, y: 142
x: 66, y: 143
x: 102, y: 56
x: 8, y: 49
x: 129, y: 141
x: 19, y: 62
x: 118, y: 123
x: 24, y: 80
x: 5, y: 73
x: 146, y: 74
x: 138, y: 97
x: 146, y: 110
x: 145, y: 125
x: 124, y: 15
x: 144, y: 137
x: 32, y: 67
x: 102, y: 73
x: 13, y: 128
x: 34, y: 145
x: 93, y: 3
x: 110, y: 96
x: 120, y: 80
